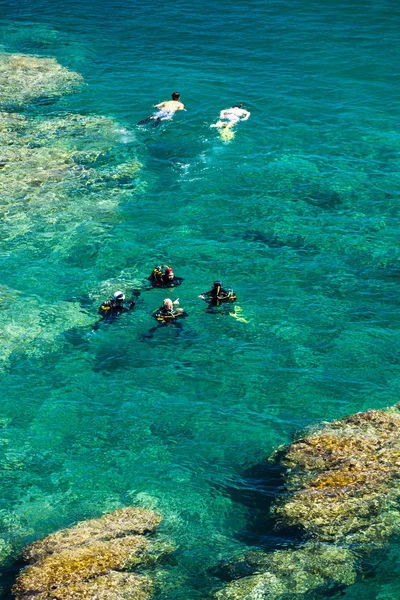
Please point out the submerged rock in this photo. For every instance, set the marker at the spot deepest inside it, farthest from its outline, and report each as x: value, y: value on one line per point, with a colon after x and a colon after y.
x: 344, y: 479
x: 342, y: 488
x: 292, y: 573
x: 25, y: 78
x: 94, y: 559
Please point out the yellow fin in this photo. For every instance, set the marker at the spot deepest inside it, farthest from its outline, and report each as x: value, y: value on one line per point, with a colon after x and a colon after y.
x: 236, y: 314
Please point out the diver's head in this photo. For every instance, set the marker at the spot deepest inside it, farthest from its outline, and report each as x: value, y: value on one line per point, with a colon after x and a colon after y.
x: 119, y: 297
x: 167, y: 304
x: 169, y: 274
x: 216, y: 286
x: 238, y: 105
x: 176, y: 96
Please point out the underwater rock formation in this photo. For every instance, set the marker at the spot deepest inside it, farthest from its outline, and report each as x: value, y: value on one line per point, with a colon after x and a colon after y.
x: 343, y: 479
x: 25, y: 78
x: 342, y: 485
x: 291, y: 573
x: 62, y: 178
x: 94, y: 559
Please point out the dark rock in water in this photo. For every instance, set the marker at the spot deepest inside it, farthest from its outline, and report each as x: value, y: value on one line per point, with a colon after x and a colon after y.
x: 324, y: 199
x: 94, y: 559
x: 273, y: 241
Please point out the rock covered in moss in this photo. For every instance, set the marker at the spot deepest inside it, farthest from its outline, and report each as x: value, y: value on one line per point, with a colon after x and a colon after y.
x: 343, y: 479
x: 94, y: 559
x: 25, y: 78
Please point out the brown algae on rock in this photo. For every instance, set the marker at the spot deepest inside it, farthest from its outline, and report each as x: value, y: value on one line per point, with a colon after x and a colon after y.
x: 94, y: 559
x: 344, y: 479
x: 342, y: 486
x: 292, y: 573
x: 26, y: 77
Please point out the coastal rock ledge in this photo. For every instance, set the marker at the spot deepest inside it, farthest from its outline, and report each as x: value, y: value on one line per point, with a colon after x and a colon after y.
x: 341, y: 497
x: 95, y: 559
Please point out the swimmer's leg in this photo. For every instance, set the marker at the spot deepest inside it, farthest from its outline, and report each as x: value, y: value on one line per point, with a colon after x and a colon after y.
x: 157, y: 122
x: 218, y: 124
x: 145, y: 121
x: 227, y: 134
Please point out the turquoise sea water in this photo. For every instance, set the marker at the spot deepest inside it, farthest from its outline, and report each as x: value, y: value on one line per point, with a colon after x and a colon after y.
x: 299, y: 213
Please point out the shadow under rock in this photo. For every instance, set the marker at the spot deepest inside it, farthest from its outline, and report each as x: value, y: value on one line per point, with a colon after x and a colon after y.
x: 258, y: 488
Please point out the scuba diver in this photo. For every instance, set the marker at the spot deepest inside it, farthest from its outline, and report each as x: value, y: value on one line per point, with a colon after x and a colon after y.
x: 166, y: 279
x: 167, y: 315
x: 217, y: 295
x: 111, y: 309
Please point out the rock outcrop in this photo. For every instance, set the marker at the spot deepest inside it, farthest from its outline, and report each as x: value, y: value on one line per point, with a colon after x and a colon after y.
x: 26, y: 78
x: 343, y: 479
x: 95, y: 559
x: 342, y: 485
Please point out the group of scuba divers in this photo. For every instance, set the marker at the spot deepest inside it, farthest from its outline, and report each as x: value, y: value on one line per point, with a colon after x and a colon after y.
x: 168, y: 313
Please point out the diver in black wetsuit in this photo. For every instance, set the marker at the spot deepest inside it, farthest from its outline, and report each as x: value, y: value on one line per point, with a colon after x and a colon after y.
x: 167, y: 315
x: 217, y: 295
x: 166, y: 279
x: 111, y: 309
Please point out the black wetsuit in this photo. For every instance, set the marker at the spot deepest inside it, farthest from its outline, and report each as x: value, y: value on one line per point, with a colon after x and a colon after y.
x: 165, y: 318
x: 111, y: 309
x: 163, y: 282
x: 160, y: 279
x: 215, y: 297
x: 168, y: 316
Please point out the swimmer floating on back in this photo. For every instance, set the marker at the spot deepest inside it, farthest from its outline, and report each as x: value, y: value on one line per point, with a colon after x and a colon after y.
x: 228, y: 118
x: 166, y: 111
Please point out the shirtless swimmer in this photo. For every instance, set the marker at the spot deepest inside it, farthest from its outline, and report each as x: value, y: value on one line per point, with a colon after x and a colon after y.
x: 166, y: 110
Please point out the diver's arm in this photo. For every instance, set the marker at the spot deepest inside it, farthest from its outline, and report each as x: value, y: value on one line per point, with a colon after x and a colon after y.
x: 159, y: 105
x: 247, y: 114
x: 224, y: 295
x: 205, y: 295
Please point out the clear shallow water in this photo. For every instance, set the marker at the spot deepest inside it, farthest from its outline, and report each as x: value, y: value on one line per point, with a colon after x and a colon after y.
x: 299, y: 214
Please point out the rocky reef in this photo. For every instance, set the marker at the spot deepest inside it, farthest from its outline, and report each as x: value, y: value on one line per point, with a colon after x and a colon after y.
x: 26, y: 78
x: 342, y: 483
x: 98, y: 559
x: 343, y: 479
x: 291, y: 573
x: 62, y: 177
